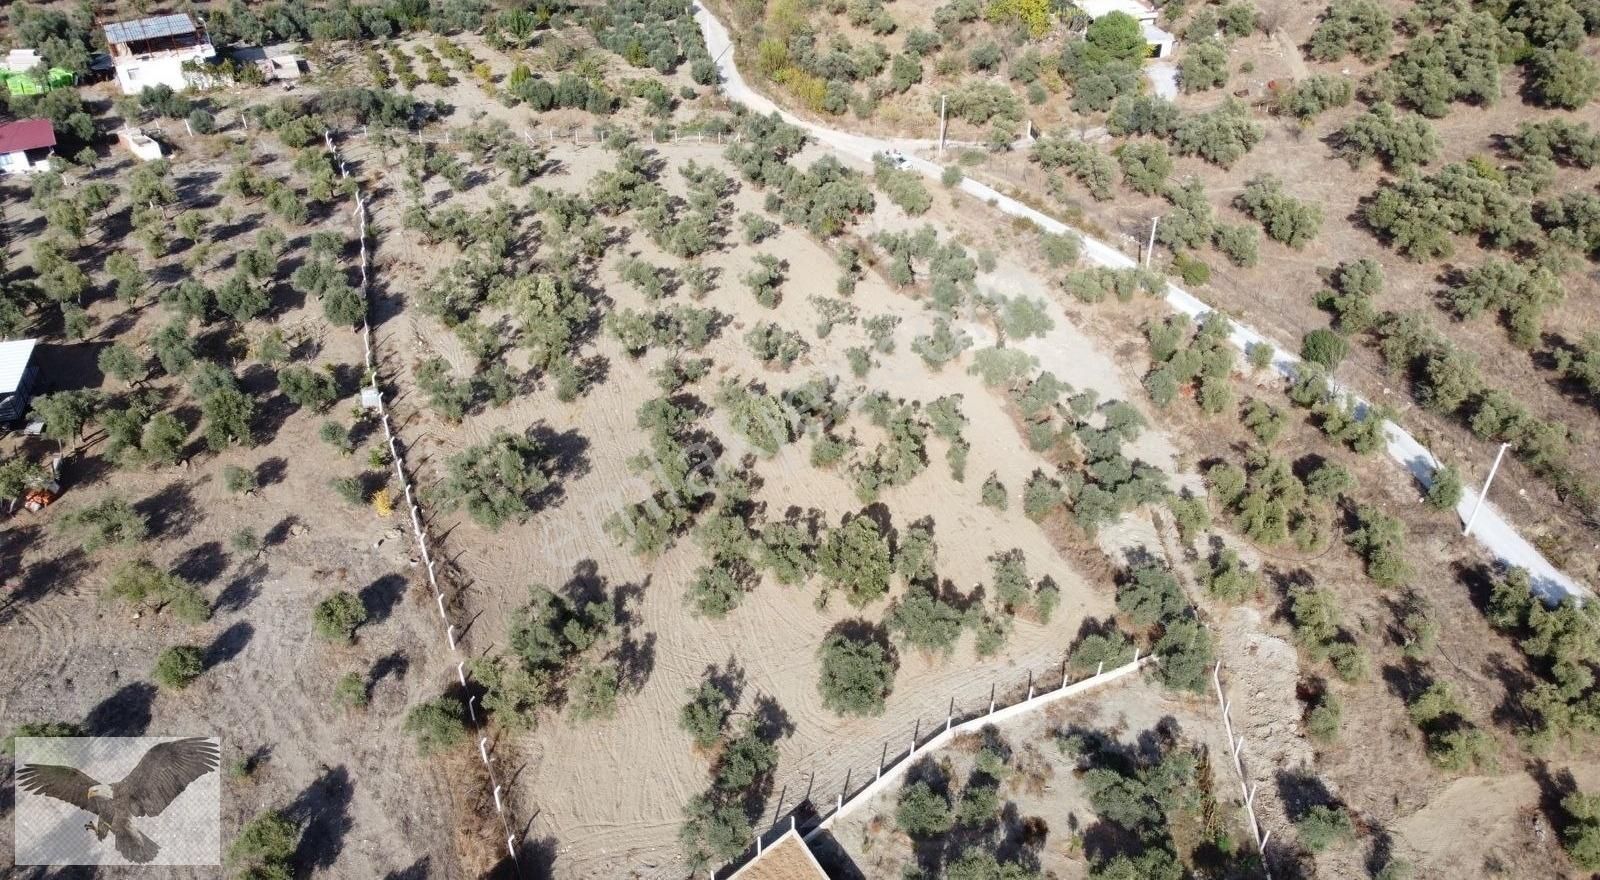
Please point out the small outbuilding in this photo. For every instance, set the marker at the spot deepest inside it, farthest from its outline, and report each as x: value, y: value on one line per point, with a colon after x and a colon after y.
x: 144, y: 147
x: 17, y: 373
x: 1160, y: 41
x: 26, y: 146
x: 282, y: 62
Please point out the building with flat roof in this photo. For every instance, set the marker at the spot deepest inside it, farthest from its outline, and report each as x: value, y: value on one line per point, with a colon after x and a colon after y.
x: 152, y: 51
x: 26, y: 146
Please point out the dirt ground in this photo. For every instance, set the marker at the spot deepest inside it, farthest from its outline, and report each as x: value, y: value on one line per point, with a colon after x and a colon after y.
x: 369, y: 806
x: 612, y: 802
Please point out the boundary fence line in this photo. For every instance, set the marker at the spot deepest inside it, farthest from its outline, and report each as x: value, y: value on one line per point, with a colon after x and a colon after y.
x: 1247, y: 790
x: 889, y: 770
x: 418, y: 530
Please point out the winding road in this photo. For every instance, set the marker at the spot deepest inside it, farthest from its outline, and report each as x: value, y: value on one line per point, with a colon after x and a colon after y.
x: 1491, y: 529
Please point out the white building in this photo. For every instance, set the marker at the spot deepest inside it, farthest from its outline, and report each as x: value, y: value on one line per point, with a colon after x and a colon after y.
x: 26, y: 146
x: 1160, y: 41
x: 152, y: 51
x: 16, y: 377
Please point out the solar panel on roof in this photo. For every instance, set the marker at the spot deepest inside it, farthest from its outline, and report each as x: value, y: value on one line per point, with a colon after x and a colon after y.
x: 149, y: 28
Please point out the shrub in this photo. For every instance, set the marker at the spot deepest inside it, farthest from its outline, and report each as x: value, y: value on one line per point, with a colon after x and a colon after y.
x: 1239, y: 243
x: 1204, y: 66
x: 336, y: 618
x: 1221, y: 136
x: 1581, y: 837
x: 855, y: 557
x: 1226, y: 578
x: 1041, y: 496
x: 437, y: 724
x: 857, y: 675
x: 704, y: 716
x: 993, y: 494
x: 1444, y: 491
x: 1146, y: 165
x: 1322, y: 722
x: 1563, y: 78
x: 1285, y: 219
x: 1400, y: 142
x: 922, y: 812
x: 178, y: 666
x: 1315, y: 95
x: 265, y: 846
x: 1380, y: 540
x: 350, y: 691
x: 1363, y: 28
x: 1150, y: 595
x: 1322, y: 826
x: 111, y: 520
x: 496, y: 481
x: 1324, y: 347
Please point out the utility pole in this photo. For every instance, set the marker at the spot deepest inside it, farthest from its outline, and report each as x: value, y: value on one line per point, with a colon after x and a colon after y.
x: 941, y: 127
x: 1150, y: 247
x: 1485, y: 490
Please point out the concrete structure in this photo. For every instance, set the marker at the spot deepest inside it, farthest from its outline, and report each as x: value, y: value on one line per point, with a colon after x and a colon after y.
x: 16, y: 377
x: 26, y: 146
x: 1160, y: 41
x: 141, y: 145
x: 280, y: 62
x: 152, y: 51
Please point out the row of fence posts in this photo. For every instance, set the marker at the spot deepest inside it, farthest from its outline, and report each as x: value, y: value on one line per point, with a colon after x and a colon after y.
x: 887, y: 770
x: 1247, y: 789
x: 418, y: 530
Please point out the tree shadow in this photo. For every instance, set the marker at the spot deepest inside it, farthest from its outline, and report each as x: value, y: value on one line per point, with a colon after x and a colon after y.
x: 171, y: 512
x: 39, y: 577
x: 242, y: 589
x: 421, y: 869
x: 380, y: 597
x: 636, y: 659
x: 228, y: 644
x: 124, y: 713
x: 279, y: 533
x: 1300, y: 791
x: 271, y: 471
x: 323, y: 812
x: 201, y: 564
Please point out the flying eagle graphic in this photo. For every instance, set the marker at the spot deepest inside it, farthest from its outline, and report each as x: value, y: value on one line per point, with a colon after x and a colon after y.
x: 160, y: 776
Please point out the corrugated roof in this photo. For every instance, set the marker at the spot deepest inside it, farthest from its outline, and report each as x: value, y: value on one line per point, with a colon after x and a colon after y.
x: 14, y: 356
x: 27, y: 134
x: 149, y: 28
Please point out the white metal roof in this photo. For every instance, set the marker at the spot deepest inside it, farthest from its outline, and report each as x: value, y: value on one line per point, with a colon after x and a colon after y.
x: 14, y: 357
x: 1135, y: 8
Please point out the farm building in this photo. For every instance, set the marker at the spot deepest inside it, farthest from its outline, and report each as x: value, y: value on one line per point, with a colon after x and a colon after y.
x: 16, y: 377
x: 26, y: 146
x: 1161, y: 42
x: 152, y: 51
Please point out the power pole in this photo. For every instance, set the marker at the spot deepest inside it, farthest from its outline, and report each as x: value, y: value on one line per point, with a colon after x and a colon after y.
x: 941, y: 127
x: 1150, y: 247
x: 1485, y: 490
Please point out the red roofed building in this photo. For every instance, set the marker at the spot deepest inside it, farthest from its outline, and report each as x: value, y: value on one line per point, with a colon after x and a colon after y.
x: 26, y: 146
